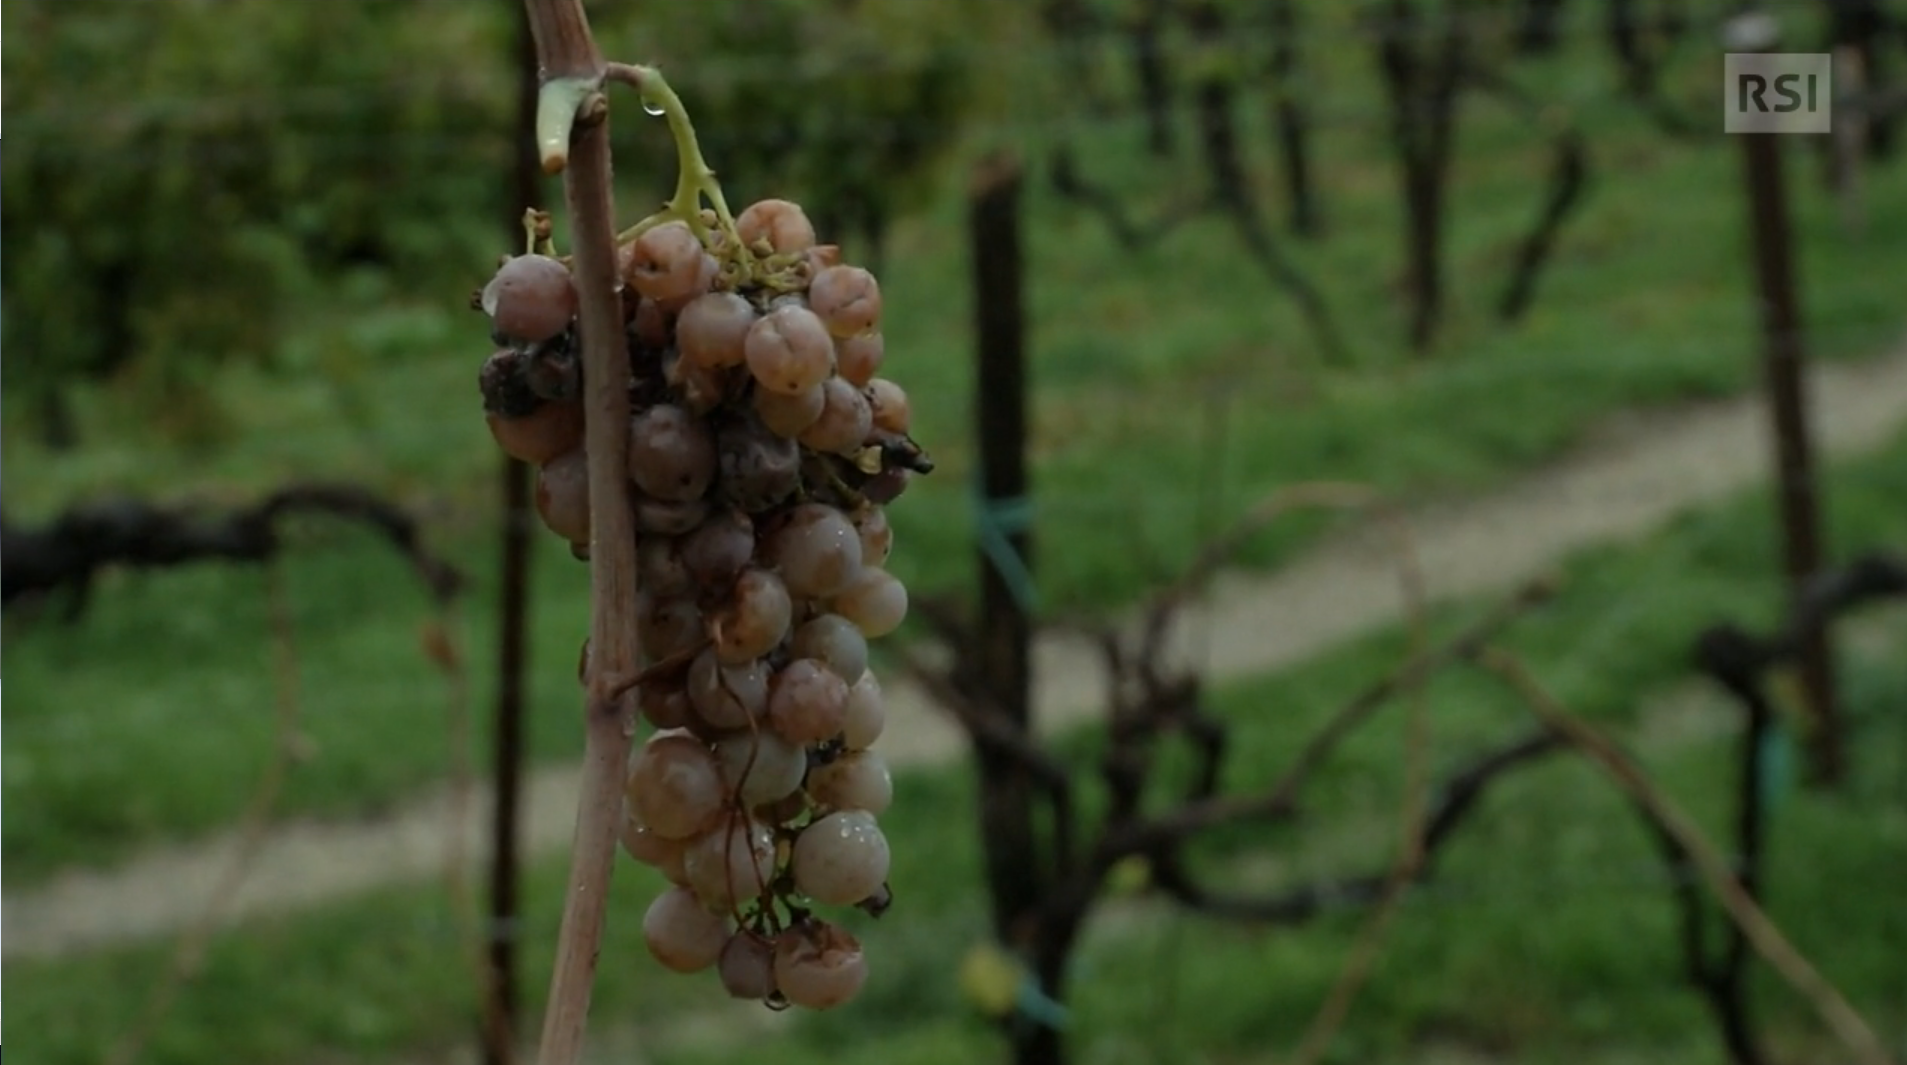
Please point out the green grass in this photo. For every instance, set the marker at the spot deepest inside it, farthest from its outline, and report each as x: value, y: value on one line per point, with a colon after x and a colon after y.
x: 1171, y: 387
x: 1547, y: 937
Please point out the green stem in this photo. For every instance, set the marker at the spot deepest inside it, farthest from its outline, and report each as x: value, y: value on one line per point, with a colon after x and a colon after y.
x: 695, y: 179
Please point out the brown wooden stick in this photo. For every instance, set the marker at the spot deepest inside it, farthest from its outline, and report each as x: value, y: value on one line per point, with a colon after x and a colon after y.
x: 1835, y: 1011
x: 568, y: 55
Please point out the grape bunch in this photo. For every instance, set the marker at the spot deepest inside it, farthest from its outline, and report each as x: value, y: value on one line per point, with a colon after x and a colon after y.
x: 763, y: 447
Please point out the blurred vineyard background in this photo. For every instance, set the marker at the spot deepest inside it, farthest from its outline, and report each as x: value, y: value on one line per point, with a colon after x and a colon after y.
x: 240, y: 241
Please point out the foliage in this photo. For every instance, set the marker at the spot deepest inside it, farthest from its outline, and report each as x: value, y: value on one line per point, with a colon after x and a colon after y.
x: 178, y: 169
x: 845, y: 105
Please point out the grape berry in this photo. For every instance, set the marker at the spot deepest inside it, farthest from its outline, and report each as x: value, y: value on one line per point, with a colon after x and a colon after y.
x: 762, y: 449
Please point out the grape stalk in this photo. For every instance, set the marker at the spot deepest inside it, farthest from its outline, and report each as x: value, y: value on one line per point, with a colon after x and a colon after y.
x: 754, y: 449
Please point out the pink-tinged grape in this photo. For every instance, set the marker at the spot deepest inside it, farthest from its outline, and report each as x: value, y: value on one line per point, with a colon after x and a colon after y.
x: 651, y: 325
x: 666, y: 626
x: 664, y: 264
x: 732, y: 862
x: 847, y: 299
x: 877, y: 536
x: 682, y: 934
x: 671, y: 453
x: 530, y: 299
x: 846, y: 419
x: 891, y: 409
x: 727, y: 697
x: 761, y: 767
x: 541, y: 435
x: 885, y: 487
x: 707, y: 270
x: 700, y: 389
x: 819, y: 965
x: 833, y: 641
x: 859, y: 358
x: 816, y: 551
x: 876, y: 602
x: 747, y: 966
x: 717, y: 550
x: 665, y: 705
x: 840, y: 859
x: 822, y: 256
x: 562, y: 496
x: 668, y: 517
x: 713, y: 330
x: 759, y: 469
x: 675, y: 787
x: 660, y: 567
x: 782, y: 224
x: 754, y: 619
x: 806, y: 702
x: 865, y: 715
x: 790, y: 415
x: 642, y: 844
x: 858, y: 780
x: 789, y: 350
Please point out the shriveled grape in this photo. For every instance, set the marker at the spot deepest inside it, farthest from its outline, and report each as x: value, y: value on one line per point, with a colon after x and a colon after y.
x: 665, y: 263
x: 782, y: 224
x: 819, y: 965
x: 846, y: 419
x: 847, y: 299
x: 789, y: 350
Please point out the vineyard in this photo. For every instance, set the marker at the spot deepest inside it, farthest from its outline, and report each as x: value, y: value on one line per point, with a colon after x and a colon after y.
x: 1088, y: 531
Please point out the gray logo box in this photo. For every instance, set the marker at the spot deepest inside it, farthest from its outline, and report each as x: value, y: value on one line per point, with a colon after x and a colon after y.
x: 1778, y: 92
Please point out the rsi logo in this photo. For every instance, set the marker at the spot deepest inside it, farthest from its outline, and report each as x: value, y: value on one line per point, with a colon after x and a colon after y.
x: 1753, y: 89
x: 1775, y: 92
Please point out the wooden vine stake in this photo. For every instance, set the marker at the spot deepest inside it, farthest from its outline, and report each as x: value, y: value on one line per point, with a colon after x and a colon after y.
x: 573, y: 138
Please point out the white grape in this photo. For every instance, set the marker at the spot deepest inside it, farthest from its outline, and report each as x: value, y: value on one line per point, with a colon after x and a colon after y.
x: 858, y: 780
x: 760, y: 767
x: 840, y: 859
x: 681, y: 933
x: 733, y: 862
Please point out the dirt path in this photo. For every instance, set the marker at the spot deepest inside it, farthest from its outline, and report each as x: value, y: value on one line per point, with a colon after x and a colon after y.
x: 1638, y: 473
